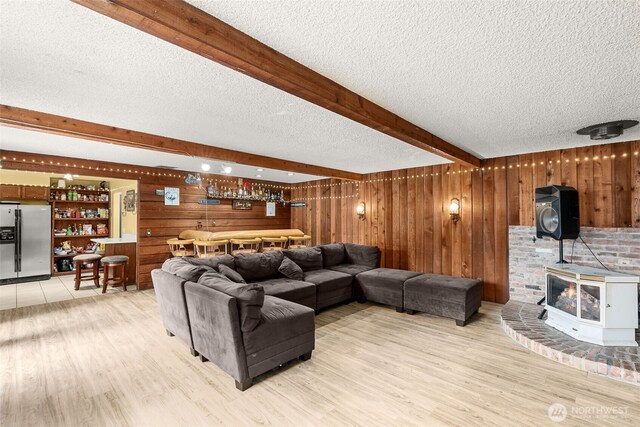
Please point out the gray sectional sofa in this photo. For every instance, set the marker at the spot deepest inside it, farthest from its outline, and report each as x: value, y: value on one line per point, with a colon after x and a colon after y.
x: 251, y: 313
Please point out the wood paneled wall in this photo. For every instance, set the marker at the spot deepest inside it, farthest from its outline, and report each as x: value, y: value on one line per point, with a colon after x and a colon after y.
x: 163, y: 221
x: 607, y: 177
x: 407, y: 217
x: 166, y: 222
x: 407, y: 211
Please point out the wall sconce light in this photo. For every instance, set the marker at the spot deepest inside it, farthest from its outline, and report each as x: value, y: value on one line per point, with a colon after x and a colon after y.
x: 454, y: 210
x: 361, y: 209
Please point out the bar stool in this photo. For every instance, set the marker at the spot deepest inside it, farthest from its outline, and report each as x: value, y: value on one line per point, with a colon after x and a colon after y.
x: 181, y: 247
x: 85, y: 259
x: 210, y: 248
x: 115, y: 262
x: 245, y: 246
x: 299, y: 242
x: 274, y: 243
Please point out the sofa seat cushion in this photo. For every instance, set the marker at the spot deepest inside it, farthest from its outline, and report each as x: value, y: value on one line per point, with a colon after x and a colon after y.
x: 332, y: 254
x: 351, y: 269
x: 291, y: 290
x: 249, y: 297
x: 454, y: 297
x: 383, y: 285
x: 307, y: 258
x: 284, y: 327
x: 328, y: 280
x: 258, y: 266
x: 185, y: 270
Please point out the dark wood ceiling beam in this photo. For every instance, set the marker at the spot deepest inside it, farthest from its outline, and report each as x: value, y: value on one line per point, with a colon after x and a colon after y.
x: 51, y: 123
x: 193, y: 29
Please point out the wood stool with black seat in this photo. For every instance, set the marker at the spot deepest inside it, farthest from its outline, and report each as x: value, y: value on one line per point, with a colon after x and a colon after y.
x: 85, y: 259
x: 111, y: 264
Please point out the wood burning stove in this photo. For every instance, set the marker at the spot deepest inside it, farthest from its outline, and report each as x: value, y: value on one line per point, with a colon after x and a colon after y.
x: 592, y: 305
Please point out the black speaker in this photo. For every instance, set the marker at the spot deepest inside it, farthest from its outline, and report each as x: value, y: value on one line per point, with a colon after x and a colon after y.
x: 557, y: 212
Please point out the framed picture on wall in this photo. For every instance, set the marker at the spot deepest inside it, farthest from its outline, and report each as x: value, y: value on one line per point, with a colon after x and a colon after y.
x: 271, y: 209
x: 171, y: 196
x: 130, y: 201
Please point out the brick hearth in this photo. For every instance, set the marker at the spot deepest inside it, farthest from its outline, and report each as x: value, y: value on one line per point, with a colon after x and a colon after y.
x: 520, y: 321
x: 617, y: 248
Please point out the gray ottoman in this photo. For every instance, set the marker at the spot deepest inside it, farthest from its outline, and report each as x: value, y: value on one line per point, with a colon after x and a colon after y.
x: 454, y: 297
x: 382, y: 285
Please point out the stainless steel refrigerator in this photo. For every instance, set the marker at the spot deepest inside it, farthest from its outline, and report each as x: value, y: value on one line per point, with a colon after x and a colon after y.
x: 25, y: 243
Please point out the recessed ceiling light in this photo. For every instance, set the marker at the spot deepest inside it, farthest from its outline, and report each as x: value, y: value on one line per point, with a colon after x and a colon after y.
x: 68, y: 177
x: 290, y: 173
x: 260, y: 170
x: 205, y: 167
x: 258, y: 176
x: 227, y: 169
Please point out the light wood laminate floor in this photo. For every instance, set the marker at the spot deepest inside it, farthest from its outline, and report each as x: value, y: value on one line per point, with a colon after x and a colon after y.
x: 57, y: 288
x: 107, y: 361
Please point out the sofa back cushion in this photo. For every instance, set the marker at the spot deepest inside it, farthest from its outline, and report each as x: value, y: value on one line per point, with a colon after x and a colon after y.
x: 291, y: 270
x: 214, y: 262
x: 249, y: 297
x: 259, y: 266
x: 230, y: 274
x: 184, y: 269
x: 307, y: 258
x: 332, y: 254
x: 362, y: 254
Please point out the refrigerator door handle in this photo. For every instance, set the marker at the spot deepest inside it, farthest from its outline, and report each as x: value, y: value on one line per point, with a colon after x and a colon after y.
x: 18, y: 245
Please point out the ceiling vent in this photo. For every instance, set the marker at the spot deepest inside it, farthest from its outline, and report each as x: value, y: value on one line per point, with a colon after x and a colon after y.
x: 165, y: 167
x: 607, y: 130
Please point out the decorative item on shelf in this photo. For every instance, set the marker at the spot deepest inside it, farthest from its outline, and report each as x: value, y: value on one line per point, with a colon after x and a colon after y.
x: 242, y: 205
x: 193, y: 179
x: 454, y: 210
x: 361, y: 210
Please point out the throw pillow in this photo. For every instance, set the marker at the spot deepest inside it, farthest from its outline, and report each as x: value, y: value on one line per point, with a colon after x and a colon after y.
x: 249, y: 297
x: 291, y: 270
x: 230, y: 274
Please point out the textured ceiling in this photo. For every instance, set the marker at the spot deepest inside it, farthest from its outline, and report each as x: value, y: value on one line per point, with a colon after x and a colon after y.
x: 61, y: 58
x: 35, y: 142
x: 493, y: 77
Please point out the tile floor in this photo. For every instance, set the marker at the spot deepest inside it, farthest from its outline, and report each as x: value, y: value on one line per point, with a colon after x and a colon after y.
x: 55, y: 289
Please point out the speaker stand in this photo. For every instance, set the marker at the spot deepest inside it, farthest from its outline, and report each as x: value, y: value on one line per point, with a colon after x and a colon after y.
x: 561, y: 252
